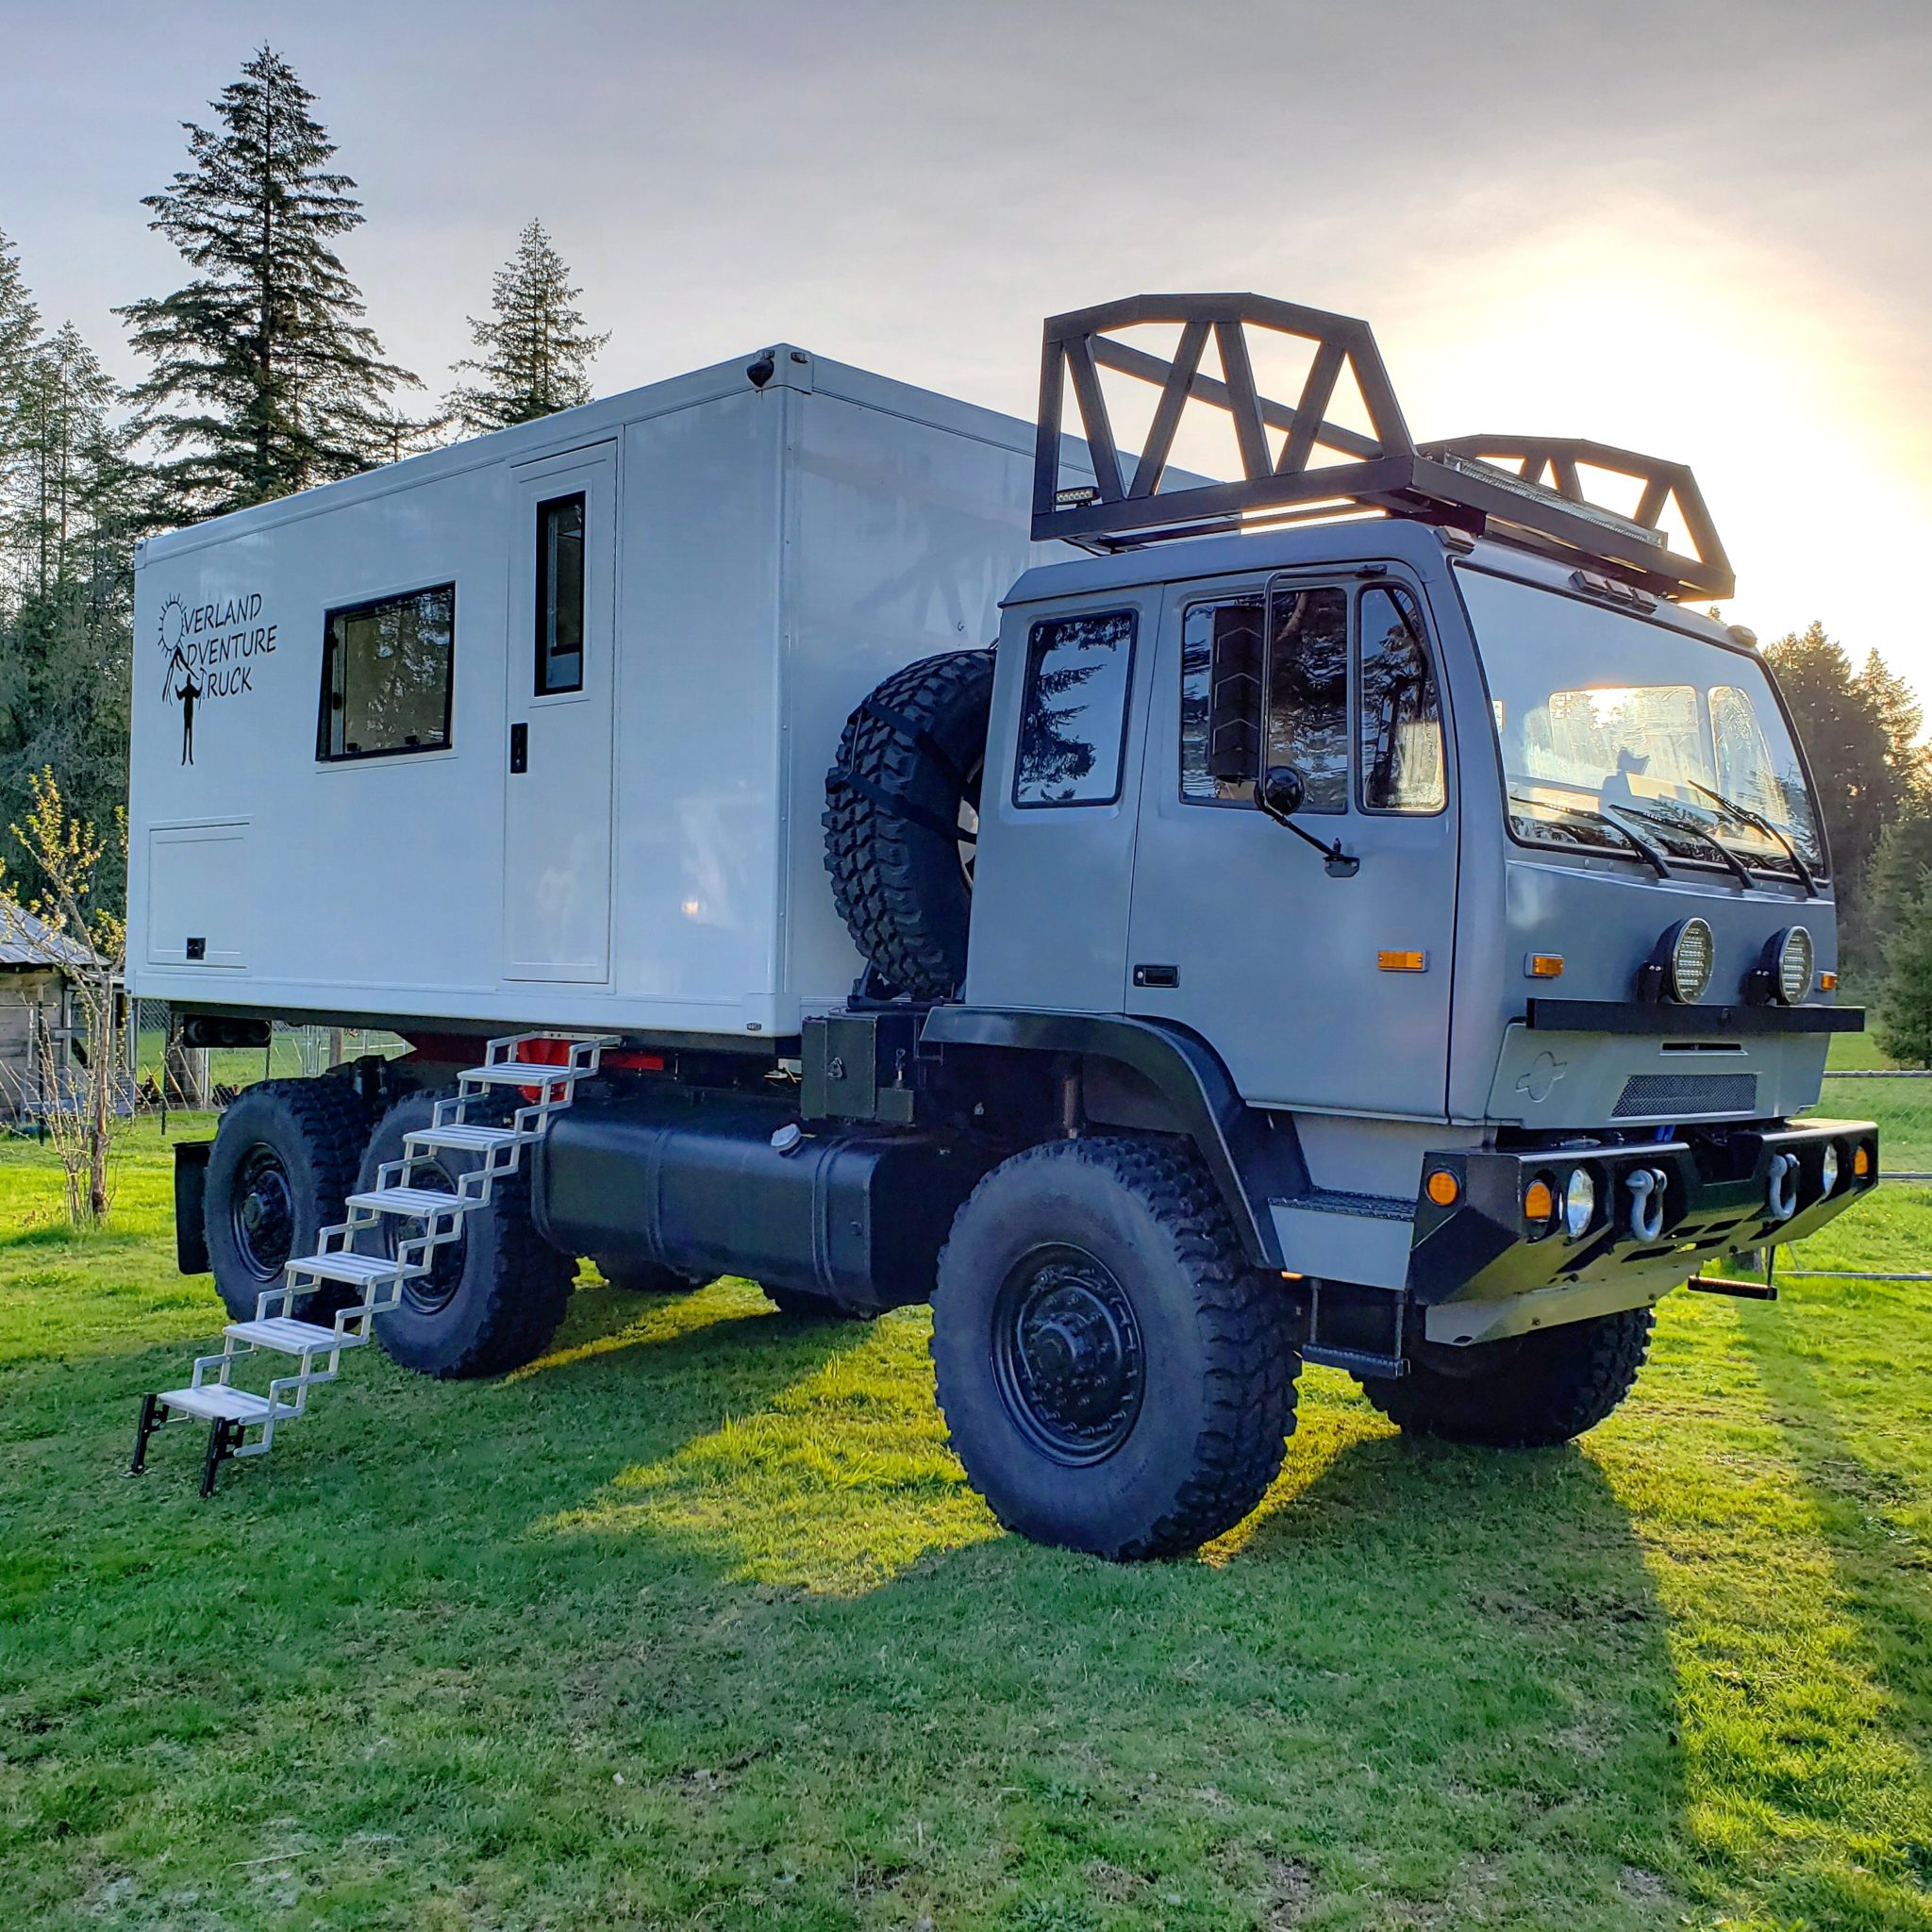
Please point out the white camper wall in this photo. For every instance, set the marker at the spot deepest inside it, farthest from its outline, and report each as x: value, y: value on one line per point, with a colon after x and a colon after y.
x: 773, y: 552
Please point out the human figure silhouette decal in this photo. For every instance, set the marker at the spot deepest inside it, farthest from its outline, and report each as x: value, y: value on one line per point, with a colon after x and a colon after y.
x: 182, y: 683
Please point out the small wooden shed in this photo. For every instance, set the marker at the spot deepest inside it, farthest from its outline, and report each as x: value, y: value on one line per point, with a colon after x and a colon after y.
x: 38, y: 1011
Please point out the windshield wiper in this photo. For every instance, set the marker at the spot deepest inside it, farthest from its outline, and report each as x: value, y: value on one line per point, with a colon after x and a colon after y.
x: 1588, y: 813
x: 1736, y: 865
x: 1770, y: 832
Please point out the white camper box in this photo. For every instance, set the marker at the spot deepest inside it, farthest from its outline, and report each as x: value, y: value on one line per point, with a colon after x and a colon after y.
x: 754, y: 558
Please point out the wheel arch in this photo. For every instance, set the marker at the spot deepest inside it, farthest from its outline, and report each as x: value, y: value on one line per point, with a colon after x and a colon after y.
x: 1254, y: 1156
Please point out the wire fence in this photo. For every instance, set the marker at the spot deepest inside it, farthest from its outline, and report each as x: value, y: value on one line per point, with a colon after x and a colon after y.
x: 164, y: 1077
x: 1901, y: 1101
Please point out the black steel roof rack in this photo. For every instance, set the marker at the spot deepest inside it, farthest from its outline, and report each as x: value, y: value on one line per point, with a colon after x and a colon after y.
x: 1466, y: 483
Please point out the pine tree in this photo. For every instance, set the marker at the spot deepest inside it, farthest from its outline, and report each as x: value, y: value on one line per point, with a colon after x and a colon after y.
x: 533, y: 352
x: 20, y: 328
x: 1904, y: 1007
x: 264, y: 380
x: 65, y: 642
x: 1848, y: 730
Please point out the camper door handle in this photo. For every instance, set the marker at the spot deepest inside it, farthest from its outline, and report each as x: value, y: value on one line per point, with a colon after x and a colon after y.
x: 519, y: 748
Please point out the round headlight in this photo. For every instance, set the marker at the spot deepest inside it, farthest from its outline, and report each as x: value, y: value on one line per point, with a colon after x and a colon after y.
x: 1579, y: 1203
x: 1796, y: 956
x: 1693, y: 954
x: 1827, y: 1167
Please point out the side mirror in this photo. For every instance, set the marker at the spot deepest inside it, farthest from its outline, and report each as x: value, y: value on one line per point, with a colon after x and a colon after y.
x: 1282, y: 791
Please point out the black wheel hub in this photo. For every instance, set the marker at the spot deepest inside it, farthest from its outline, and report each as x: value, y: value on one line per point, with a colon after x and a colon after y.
x: 1067, y: 1355
x: 262, y: 1212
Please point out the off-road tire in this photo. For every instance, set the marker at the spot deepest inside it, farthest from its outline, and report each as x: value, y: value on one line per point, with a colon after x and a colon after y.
x: 507, y: 1288
x: 1529, y: 1392
x: 807, y: 1306
x: 315, y: 1129
x: 1218, y: 1355
x: 645, y: 1277
x: 900, y: 782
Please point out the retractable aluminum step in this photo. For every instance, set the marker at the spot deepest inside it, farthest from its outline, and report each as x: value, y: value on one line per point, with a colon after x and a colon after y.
x: 407, y: 1222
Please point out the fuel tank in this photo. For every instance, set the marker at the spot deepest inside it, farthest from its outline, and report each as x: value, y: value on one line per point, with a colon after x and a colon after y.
x: 723, y: 1183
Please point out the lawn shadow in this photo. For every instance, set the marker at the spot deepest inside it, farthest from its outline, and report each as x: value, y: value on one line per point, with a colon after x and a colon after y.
x: 1876, y: 1574
x: 1439, y: 1674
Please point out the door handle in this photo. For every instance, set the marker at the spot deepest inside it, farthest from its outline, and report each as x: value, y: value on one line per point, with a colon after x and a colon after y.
x: 519, y: 748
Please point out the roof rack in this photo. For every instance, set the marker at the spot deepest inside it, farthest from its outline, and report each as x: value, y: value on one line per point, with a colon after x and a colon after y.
x: 1466, y: 483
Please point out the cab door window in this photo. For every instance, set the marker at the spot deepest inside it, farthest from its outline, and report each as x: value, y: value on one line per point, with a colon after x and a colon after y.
x: 1306, y: 716
x: 1398, y: 707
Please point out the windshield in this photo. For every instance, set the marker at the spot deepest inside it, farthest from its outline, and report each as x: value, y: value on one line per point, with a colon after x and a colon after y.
x: 1623, y: 736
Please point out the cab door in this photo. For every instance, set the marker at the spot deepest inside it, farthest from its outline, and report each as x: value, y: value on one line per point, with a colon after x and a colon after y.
x: 1319, y: 991
x: 558, y: 791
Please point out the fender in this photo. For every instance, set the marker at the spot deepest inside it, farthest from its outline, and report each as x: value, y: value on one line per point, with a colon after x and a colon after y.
x: 1253, y: 1157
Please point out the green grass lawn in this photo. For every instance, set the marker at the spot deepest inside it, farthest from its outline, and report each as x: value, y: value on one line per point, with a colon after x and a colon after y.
x: 695, y: 1623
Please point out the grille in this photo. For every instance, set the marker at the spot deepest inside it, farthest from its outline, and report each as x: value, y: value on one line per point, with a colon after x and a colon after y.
x: 1647, y: 1094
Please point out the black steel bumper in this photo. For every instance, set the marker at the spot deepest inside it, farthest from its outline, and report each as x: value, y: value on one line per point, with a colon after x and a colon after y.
x: 1711, y: 1192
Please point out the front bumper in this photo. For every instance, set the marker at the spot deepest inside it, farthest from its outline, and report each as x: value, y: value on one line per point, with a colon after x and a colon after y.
x: 1709, y: 1193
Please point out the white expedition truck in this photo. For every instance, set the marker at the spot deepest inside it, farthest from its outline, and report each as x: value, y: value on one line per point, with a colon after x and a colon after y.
x: 1358, y: 913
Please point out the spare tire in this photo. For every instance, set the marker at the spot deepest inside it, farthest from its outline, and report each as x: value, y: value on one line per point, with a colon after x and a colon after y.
x: 902, y: 819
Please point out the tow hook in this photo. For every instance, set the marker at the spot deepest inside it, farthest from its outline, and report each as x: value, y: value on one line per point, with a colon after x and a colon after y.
x: 1781, y: 1192
x: 1646, y: 1187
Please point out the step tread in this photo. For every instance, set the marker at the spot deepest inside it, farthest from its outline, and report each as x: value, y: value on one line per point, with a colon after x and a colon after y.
x: 290, y: 1337
x: 461, y: 1134
x: 418, y: 1203
x: 521, y: 1074
x: 348, y: 1267
x: 219, y: 1404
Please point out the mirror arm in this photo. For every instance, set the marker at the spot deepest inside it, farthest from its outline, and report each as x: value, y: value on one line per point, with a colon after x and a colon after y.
x: 1338, y: 864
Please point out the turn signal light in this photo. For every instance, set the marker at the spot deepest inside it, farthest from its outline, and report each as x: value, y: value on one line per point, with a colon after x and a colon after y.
x: 1539, y: 1203
x: 1827, y: 982
x: 1402, y: 962
x: 1442, y: 1189
x: 1862, y: 1161
x: 1544, y: 966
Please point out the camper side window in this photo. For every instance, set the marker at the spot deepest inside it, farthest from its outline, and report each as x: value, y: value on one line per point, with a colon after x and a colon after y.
x: 560, y: 595
x: 386, y: 675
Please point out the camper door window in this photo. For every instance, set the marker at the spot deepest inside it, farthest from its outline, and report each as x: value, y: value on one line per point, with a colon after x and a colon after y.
x: 386, y: 675
x: 560, y: 595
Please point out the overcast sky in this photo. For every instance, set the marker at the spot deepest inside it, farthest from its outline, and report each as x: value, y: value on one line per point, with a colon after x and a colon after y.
x: 1698, y: 229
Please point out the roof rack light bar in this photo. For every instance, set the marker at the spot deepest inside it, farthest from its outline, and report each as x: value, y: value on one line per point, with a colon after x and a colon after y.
x: 1464, y: 483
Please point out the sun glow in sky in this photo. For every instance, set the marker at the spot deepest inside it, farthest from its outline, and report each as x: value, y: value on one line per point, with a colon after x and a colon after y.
x: 1695, y: 231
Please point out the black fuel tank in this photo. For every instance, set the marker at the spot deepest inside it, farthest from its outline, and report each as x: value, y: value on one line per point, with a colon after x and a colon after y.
x: 693, y: 1180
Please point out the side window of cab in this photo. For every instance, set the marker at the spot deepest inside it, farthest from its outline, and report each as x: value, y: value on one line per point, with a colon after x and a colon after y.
x: 1074, y: 710
x: 1225, y: 646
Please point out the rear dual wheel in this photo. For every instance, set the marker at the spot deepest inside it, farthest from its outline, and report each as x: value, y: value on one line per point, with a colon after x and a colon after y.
x: 493, y: 1297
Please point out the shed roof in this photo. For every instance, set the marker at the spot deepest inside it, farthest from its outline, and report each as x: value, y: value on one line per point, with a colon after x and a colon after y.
x: 26, y: 941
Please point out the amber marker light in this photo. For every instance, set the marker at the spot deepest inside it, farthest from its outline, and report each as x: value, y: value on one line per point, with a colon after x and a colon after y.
x: 1861, y: 1163
x: 1443, y: 1189
x: 1539, y: 1203
x: 1544, y: 966
x: 1402, y: 962
x: 1827, y: 982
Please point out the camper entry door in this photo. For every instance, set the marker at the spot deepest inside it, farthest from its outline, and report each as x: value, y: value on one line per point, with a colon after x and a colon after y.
x: 557, y: 793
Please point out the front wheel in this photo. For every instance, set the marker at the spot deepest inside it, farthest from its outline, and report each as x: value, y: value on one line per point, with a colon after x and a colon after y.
x: 1529, y: 1392
x: 1114, y: 1374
